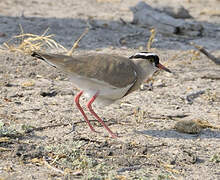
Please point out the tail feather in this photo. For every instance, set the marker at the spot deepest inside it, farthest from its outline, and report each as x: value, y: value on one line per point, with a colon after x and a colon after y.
x: 37, y: 55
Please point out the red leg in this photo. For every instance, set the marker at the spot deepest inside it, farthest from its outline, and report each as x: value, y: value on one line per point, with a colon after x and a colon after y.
x: 81, y: 110
x: 97, y: 117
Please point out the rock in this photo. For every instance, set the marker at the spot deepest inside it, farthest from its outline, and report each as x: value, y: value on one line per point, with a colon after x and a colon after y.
x: 49, y: 94
x: 188, y: 126
x: 177, y: 11
x: 193, y: 126
x: 2, y: 34
x: 145, y: 15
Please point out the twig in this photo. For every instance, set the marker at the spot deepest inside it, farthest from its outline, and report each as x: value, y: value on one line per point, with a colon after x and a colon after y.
x: 204, y: 51
x: 75, y: 45
x: 22, y: 32
x: 190, y: 97
x: 4, y: 149
x: 86, y: 139
x: 132, y: 168
x: 122, y: 39
x: 151, y: 39
x: 211, y: 77
x: 92, y: 120
x: 57, y: 157
x: 49, y: 126
x: 168, y: 116
x: 53, y: 168
x: 69, y: 171
x: 123, y: 21
x: 57, y: 125
x: 206, y: 124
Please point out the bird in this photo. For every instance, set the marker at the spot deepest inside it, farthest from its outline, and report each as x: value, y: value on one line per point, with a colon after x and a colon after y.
x: 104, y: 78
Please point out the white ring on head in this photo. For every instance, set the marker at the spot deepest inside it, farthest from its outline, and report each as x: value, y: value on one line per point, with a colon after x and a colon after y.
x: 145, y: 54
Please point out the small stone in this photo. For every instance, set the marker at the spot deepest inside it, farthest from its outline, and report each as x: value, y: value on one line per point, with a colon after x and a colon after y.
x: 188, y: 126
x: 2, y: 34
x: 148, y: 87
x: 49, y: 94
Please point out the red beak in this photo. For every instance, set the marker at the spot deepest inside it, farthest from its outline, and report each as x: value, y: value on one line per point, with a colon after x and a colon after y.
x: 160, y: 66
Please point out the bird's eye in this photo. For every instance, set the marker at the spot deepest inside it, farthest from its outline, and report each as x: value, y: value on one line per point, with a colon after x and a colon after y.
x: 151, y: 60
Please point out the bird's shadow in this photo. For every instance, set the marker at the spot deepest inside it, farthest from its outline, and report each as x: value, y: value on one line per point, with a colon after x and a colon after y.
x: 170, y: 133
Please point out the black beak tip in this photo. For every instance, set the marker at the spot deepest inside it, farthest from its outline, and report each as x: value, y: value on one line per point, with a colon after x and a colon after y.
x: 169, y: 71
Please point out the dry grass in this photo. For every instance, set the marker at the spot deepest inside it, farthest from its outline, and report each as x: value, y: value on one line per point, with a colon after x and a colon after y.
x: 151, y: 39
x: 210, y: 12
x: 75, y: 45
x: 27, y: 43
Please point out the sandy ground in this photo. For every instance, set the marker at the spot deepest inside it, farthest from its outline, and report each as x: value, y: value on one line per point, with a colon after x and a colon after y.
x: 37, y: 108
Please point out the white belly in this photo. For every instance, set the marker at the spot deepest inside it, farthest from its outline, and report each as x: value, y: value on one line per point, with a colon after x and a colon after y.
x: 107, y: 93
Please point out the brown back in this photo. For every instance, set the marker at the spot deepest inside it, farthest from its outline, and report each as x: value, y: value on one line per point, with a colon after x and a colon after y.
x: 113, y: 69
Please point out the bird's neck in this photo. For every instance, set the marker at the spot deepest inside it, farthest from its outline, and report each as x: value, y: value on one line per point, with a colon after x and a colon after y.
x: 145, y: 69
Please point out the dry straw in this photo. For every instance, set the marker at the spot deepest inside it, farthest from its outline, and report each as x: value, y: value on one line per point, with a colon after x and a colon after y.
x: 27, y: 43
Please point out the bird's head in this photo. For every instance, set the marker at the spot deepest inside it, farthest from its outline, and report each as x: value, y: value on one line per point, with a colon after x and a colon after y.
x: 152, y: 61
